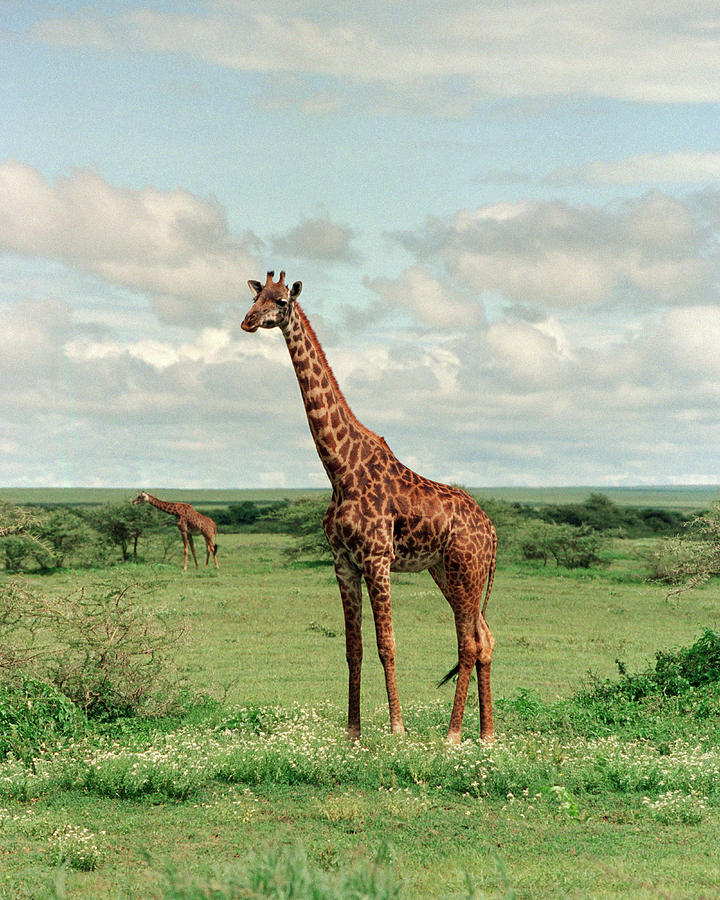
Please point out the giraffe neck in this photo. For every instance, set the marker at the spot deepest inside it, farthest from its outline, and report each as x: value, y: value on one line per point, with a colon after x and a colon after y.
x: 332, y: 423
x: 165, y: 506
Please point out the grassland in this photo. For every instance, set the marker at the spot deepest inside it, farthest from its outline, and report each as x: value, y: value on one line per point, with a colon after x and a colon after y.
x: 687, y: 497
x: 260, y: 793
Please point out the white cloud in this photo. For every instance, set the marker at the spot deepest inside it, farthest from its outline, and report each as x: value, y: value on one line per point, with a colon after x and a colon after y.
x: 556, y: 255
x: 318, y: 239
x: 637, y: 51
x: 677, y: 167
x: 430, y: 300
x: 693, y: 340
x: 170, y: 245
x: 31, y: 339
x: 211, y: 346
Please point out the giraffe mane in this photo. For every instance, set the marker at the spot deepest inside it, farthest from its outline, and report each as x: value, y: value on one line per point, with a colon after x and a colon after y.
x: 331, y: 375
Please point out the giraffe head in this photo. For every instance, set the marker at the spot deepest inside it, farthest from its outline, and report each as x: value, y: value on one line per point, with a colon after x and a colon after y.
x: 142, y: 497
x: 273, y: 303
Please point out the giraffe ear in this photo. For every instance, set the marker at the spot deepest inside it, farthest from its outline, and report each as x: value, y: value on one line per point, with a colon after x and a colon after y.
x: 295, y: 290
x: 255, y: 287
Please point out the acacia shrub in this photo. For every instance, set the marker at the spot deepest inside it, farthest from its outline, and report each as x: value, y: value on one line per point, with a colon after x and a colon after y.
x: 99, y: 647
x: 691, y: 559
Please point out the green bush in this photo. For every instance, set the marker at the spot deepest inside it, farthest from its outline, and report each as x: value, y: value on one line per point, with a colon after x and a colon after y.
x: 574, y: 547
x: 113, y: 659
x: 601, y: 514
x: 123, y: 525
x: 34, y: 715
x: 237, y: 515
x: 17, y: 549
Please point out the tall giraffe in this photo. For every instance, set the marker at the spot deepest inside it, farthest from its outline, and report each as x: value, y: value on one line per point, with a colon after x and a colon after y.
x: 190, y: 522
x: 384, y: 517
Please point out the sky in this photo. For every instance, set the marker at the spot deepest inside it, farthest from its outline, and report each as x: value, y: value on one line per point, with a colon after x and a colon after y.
x: 505, y: 217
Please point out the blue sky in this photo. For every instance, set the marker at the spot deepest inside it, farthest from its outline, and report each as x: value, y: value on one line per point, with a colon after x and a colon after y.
x: 505, y: 218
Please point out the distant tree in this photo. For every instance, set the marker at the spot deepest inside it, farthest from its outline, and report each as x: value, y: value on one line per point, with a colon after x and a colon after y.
x: 65, y: 534
x: 123, y: 525
x: 574, y: 547
x: 16, y: 550
x: 302, y: 519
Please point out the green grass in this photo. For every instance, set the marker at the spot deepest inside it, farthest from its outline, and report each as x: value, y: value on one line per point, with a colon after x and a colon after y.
x: 262, y: 796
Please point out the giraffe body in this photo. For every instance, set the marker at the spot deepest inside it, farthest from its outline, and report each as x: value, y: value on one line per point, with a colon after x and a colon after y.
x: 189, y: 522
x: 384, y: 517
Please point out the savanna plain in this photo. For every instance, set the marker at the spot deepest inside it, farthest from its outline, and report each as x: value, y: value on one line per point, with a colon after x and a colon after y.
x: 604, y: 779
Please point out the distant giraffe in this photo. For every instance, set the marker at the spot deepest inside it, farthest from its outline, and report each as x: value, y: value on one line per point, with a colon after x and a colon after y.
x: 385, y: 517
x: 190, y: 522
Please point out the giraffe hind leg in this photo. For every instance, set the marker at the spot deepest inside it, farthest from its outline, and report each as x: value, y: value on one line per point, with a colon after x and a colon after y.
x: 482, y: 666
x: 211, y: 547
x: 475, y: 648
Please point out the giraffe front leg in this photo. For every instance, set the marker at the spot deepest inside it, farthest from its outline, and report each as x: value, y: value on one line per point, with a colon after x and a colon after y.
x: 192, y: 547
x: 348, y: 579
x: 183, y: 535
x: 377, y: 579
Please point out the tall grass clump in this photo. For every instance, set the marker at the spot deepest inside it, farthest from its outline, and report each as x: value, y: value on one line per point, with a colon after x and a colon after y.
x: 279, y: 874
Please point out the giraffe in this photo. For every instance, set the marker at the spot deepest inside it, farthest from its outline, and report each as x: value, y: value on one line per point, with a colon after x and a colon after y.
x: 190, y: 522
x: 384, y: 517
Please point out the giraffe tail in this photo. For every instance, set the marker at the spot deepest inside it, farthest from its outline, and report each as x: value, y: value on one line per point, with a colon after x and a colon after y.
x: 451, y: 674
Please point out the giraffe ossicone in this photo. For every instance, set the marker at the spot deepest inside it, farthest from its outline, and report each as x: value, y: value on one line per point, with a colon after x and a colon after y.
x: 384, y: 517
x: 189, y: 522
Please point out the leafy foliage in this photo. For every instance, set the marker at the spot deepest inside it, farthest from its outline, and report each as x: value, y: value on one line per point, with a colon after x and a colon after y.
x: 18, y: 538
x: 676, y: 697
x: 113, y: 659
x: 34, y: 715
x: 675, y: 672
x: 122, y: 525
x: 575, y: 547
x: 302, y: 518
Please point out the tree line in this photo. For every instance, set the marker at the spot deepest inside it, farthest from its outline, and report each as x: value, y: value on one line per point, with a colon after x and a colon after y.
x: 573, y: 535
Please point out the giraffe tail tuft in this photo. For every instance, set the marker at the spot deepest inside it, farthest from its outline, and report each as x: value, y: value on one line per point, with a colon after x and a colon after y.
x: 451, y: 674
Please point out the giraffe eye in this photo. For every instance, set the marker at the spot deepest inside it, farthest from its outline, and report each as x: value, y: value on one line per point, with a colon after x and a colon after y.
x: 281, y: 301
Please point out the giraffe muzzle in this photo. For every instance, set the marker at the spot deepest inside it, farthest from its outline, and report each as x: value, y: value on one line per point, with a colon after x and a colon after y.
x: 249, y: 325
